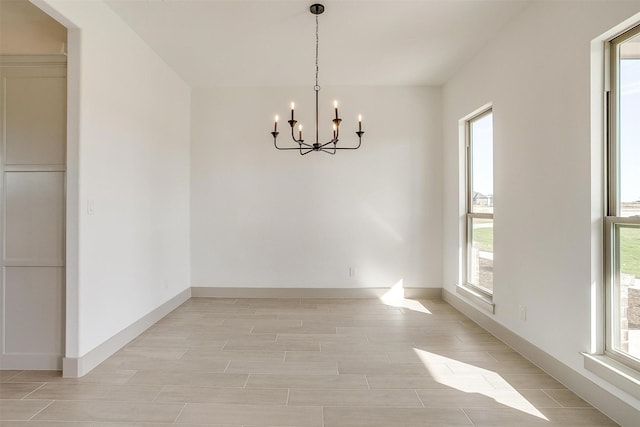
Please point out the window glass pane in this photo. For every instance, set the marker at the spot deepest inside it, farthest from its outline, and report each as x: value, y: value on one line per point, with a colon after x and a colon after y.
x: 627, y: 290
x: 481, y: 253
x: 629, y: 127
x: 481, y: 135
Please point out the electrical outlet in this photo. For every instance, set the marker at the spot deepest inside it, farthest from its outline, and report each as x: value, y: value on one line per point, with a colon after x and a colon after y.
x: 91, y: 207
x: 523, y: 312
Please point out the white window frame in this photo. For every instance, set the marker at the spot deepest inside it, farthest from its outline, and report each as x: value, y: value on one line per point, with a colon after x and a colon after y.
x: 596, y: 360
x: 613, y: 220
x: 476, y: 293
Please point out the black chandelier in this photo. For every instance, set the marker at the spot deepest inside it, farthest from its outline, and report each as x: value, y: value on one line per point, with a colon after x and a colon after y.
x: 328, y: 147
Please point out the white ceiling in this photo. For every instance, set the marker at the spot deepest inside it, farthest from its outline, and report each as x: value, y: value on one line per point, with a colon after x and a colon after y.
x: 272, y: 43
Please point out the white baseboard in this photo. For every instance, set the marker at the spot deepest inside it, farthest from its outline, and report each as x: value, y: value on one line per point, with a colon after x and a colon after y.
x: 229, y: 292
x: 613, y: 407
x: 74, y: 367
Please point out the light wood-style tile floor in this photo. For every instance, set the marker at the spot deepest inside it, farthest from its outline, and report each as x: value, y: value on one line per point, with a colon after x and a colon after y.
x: 297, y: 363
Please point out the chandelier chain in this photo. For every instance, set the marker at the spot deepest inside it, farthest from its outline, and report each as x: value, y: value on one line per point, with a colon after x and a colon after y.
x: 317, y: 87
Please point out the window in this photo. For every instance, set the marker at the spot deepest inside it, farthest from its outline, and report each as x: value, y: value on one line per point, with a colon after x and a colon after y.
x: 622, y: 223
x: 479, y: 202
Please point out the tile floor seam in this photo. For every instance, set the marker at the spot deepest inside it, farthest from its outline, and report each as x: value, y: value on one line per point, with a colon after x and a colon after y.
x: 288, y: 393
x: 50, y: 403
x: 467, y: 415
x: 162, y: 388
x: 551, y: 397
x: 175, y: 420
x: 492, y: 356
x: 419, y: 398
x: 14, y: 375
x: 33, y: 391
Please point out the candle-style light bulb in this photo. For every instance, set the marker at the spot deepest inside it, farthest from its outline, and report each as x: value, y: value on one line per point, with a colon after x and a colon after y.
x: 275, y: 126
x: 293, y: 106
x: 335, y: 107
x: 335, y: 128
x: 359, y: 122
x: 300, y: 131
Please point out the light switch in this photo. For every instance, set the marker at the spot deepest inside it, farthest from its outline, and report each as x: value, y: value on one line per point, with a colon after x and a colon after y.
x: 91, y: 208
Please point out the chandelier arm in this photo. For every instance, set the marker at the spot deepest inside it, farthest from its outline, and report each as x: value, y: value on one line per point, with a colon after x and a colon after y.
x: 336, y: 138
x: 333, y: 141
x: 299, y: 141
x: 304, y: 144
x: 275, y: 143
x: 350, y: 148
x: 287, y: 148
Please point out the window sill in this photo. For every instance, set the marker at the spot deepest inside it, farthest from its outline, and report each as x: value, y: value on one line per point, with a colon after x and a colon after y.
x: 614, y: 372
x: 480, y: 299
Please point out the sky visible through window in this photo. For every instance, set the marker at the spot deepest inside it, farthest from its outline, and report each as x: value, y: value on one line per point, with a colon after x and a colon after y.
x: 482, y: 154
x: 629, y: 130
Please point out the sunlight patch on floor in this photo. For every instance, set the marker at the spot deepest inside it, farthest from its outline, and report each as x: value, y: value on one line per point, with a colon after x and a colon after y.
x: 501, y: 392
x: 394, y: 297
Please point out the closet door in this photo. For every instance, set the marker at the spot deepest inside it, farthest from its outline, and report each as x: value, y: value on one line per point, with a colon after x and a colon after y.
x: 33, y: 132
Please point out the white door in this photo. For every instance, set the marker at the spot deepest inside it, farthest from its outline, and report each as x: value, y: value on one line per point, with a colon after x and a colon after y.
x: 32, y: 178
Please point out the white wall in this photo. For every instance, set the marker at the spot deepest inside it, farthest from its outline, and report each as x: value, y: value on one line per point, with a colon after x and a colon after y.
x: 129, y: 156
x: 537, y: 75
x: 267, y: 218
